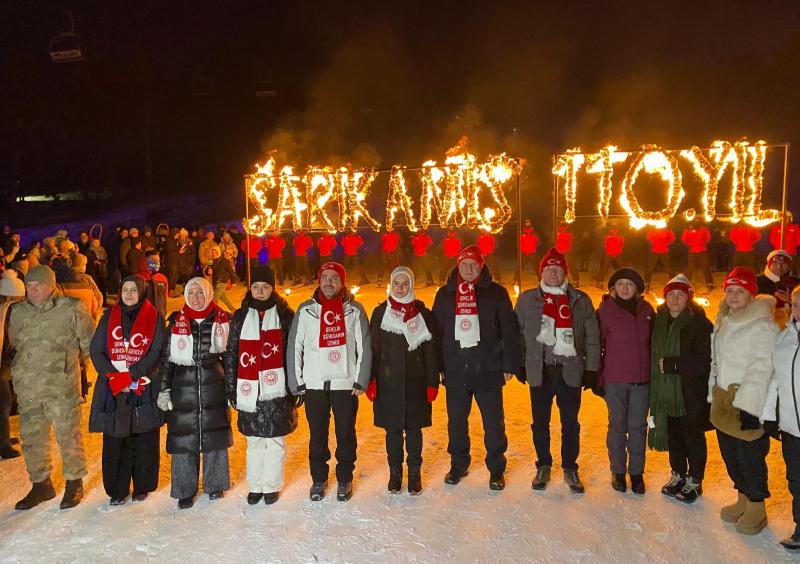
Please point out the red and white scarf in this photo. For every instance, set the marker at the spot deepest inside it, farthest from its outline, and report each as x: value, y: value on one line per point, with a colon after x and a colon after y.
x: 181, y: 344
x: 556, y: 329
x: 402, y: 316
x: 332, y: 337
x: 261, y: 375
x: 468, y: 327
x: 124, y: 353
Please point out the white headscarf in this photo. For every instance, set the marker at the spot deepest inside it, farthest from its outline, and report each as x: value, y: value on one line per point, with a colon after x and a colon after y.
x: 208, y: 291
x: 414, y: 329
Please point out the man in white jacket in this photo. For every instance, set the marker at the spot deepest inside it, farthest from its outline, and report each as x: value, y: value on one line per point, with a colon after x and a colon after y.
x: 329, y: 360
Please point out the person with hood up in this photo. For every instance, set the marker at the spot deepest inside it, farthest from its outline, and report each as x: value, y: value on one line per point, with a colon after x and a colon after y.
x: 193, y: 395
x: 741, y: 368
x: 480, y: 352
x: 255, y: 379
x: 405, y: 376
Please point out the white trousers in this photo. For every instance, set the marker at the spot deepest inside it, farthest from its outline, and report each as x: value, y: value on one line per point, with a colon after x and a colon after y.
x: 265, y: 458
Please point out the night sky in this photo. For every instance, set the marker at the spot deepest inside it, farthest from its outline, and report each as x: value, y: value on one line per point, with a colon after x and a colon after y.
x: 374, y: 83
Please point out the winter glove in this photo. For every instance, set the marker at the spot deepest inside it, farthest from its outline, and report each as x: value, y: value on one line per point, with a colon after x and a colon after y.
x: 118, y: 381
x: 589, y: 380
x: 164, y: 401
x: 748, y: 422
x: 522, y: 376
x: 431, y: 394
x: 771, y: 428
x: 372, y: 390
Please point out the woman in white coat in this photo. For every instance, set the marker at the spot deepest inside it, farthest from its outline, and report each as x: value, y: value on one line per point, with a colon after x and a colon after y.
x: 782, y: 406
x: 741, y: 368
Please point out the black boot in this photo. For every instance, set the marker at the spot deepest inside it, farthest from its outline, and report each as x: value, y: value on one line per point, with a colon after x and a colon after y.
x: 675, y: 484
x: 454, y: 476
x: 186, y: 502
x: 619, y: 483
x: 73, y: 493
x: 272, y: 497
x: 7, y: 451
x: 40, y: 491
x: 344, y: 491
x: 317, y: 492
x: 253, y: 498
x: 497, y: 482
x: 637, y: 484
x: 414, y: 481
x: 216, y: 495
x: 691, y: 490
x: 395, y: 480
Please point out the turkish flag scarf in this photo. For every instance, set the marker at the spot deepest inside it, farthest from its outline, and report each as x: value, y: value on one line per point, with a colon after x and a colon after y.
x: 556, y: 329
x: 261, y: 375
x: 181, y: 346
x: 123, y: 353
x: 468, y: 327
x: 332, y: 337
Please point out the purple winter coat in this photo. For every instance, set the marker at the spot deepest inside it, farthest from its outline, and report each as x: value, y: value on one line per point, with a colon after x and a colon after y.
x: 625, y: 342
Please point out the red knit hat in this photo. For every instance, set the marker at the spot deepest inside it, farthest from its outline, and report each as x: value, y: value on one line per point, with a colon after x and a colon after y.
x: 333, y: 266
x: 472, y: 252
x: 744, y: 277
x: 680, y: 282
x: 553, y: 258
x: 779, y: 255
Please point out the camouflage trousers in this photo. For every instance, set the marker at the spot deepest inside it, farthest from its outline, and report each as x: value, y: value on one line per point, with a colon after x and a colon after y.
x: 35, y: 419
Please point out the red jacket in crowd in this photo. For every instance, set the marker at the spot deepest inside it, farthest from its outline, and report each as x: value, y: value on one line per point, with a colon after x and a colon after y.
x: 301, y: 244
x: 420, y: 242
x: 660, y: 240
x: 275, y: 245
x: 791, y: 237
x: 563, y: 240
x: 696, y: 238
x: 528, y: 241
x: 389, y: 241
x: 326, y: 244
x: 486, y: 244
x: 351, y: 243
x: 614, y: 243
x: 256, y: 244
x: 744, y: 237
x: 451, y: 246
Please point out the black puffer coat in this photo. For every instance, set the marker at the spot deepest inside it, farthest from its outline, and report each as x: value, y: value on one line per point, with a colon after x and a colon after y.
x: 480, y: 367
x: 273, y: 418
x: 127, y: 412
x: 403, y: 376
x: 199, y: 420
x: 693, y: 366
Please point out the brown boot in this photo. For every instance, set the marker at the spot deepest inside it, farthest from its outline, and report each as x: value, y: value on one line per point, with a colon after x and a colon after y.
x: 754, y: 518
x: 731, y: 513
x: 73, y: 493
x: 40, y: 491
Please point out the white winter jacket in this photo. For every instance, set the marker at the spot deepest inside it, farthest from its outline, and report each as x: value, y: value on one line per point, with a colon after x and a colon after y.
x: 303, y: 356
x: 741, y: 352
x: 785, y: 383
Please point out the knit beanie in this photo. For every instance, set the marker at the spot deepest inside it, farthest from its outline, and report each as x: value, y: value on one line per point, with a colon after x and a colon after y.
x: 680, y: 282
x: 472, y: 252
x: 744, y: 277
x: 262, y: 274
x: 42, y: 274
x: 627, y: 273
x: 779, y: 255
x: 553, y: 258
x: 333, y: 266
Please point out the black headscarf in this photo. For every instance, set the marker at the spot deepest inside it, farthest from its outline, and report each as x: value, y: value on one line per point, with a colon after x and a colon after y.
x: 129, y: 312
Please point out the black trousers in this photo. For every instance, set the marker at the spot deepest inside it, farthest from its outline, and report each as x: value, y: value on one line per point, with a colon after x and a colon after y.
x: 746, y: 464
x: 133, y: 458
x: 448, y: 264
x: 389, y: 261
x: 531, y: 259
x: 491, y: 262
x: 490, y: 404
x: 656, y: 261
x: 605, y: 261
x: 791, y: 456
x: 394, y: 448
x: 277, y: 266
x: 700, y: 261
x: 568, y: 400
x: 319, y: 405
x: 423, y: 264
x: 744, y: 258
x: 5, y: 412
x: 353, y: 263
x: 688, y: 452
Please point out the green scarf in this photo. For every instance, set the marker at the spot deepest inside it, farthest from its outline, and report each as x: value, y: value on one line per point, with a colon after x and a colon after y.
x: 666, y: 395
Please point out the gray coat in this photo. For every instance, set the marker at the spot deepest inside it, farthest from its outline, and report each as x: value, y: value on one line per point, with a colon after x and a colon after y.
x: 584, y: 327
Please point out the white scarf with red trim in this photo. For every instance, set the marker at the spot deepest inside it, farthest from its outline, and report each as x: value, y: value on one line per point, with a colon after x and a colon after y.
x: 181, y: 344
x: 556, y: 329
x: 261, y: 375
x: 123, y: 353
x: 468, y: 327
x: 332, y: 337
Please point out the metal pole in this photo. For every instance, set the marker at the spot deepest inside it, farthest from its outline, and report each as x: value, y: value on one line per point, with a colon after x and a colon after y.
x: 519, y: 235
x: 555, y: 204
x: 247, y: 181
x: 785, y: 184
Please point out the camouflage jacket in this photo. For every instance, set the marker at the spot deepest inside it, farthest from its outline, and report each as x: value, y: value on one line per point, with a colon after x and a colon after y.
x: 50, y: 341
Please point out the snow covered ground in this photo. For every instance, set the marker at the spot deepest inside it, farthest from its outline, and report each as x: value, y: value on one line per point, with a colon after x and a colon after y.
x: 464, y: 523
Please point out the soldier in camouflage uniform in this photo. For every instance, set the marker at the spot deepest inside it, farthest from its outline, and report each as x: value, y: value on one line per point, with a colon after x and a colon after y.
x: 51, y: 335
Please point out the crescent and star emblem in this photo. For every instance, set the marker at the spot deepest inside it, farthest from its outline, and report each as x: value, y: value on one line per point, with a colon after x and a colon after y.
x: 560, y: 312
x: 247, y: 359
x: 331, y: 320
x: 268, y: 350
x: 116, y: 333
